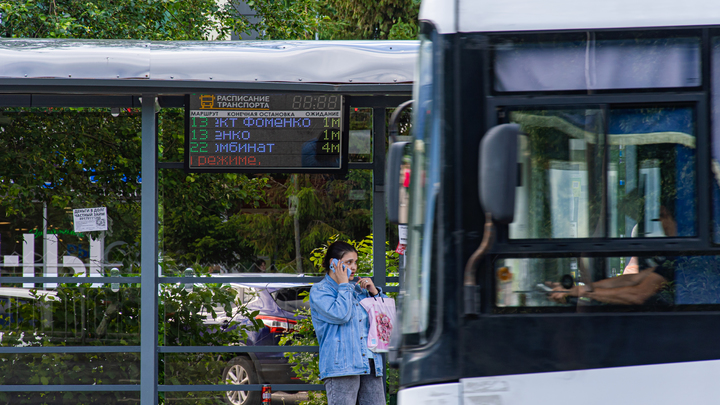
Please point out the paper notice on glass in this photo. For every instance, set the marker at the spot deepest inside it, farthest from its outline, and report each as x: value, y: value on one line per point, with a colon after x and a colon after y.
x: 402, y: 234
x: 90, y: 219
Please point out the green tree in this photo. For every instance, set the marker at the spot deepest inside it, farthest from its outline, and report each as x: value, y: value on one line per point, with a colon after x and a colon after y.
x: 107, y: 19
x: 367, y: 19
x: 333, y: 19
x: 285, y: 19
x: 323, y: 210
x: 97, y: 158
x: 71, y: 158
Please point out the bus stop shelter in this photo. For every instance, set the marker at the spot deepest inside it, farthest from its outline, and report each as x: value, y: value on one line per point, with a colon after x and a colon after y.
x: 151, y: 75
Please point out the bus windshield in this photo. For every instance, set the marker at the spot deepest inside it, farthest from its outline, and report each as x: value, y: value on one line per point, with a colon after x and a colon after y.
x: 424, y: 186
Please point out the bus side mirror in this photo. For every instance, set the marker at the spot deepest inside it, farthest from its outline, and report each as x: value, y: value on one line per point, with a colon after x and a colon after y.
x: 498, y: 172
x: 396, y: 194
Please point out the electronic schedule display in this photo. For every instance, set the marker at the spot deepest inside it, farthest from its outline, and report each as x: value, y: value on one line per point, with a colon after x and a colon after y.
x: 253, y: 132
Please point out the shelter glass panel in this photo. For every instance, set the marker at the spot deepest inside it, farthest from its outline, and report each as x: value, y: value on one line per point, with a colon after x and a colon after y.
x: 70, y: 315
x: 64, y: 397
x: 171, y: 135
x: 195, y: 368
x: 74, y: 178
x: 360, y: 147
x: 69, y: 369
x: 236, y: 223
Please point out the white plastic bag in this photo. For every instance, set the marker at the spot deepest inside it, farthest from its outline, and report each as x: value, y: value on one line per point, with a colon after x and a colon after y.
x: 381, y: 313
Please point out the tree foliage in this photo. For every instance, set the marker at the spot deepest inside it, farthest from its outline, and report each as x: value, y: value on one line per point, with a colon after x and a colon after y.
x: 207, y: 19
x: 323, y: 210
x: 368, y: 19
x: 96, y: 159
x: 333, y: 19
x: 71, y: 158
x: 108, y: 19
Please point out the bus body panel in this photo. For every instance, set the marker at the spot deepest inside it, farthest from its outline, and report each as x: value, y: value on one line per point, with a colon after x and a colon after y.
x: 662, y: 384
x: 446, y: 394
x: 518, y: 344
x: 522, y: 15
x: 441, y: 14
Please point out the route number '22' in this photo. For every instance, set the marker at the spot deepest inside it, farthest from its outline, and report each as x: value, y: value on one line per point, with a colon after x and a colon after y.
x: 198, y: 147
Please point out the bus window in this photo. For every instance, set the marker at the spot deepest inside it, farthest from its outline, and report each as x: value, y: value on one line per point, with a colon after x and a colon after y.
x: 685, y: 282
x: 579, y: 175
x: 715, y: 190
x: 652, y: 165
x: 424, y: 190
x: 589, y: 63
x: 561, y: 184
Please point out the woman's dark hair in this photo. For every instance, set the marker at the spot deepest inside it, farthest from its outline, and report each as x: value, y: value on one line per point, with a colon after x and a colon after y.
x: 336, y: 251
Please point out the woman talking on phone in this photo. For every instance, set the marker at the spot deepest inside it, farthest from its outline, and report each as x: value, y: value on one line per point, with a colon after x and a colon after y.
x: 351, y: 372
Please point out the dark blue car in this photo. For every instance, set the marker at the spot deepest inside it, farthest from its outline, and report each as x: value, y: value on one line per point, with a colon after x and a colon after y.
x: 276, y: 303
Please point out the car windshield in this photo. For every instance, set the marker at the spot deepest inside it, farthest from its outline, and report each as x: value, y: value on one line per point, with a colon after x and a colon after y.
x: 290, y: 299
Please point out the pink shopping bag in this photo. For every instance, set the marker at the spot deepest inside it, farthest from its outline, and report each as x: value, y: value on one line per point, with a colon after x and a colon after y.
x: 381, y: 311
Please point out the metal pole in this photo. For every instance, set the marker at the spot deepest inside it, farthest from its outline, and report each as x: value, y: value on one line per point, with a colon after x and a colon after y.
x: 296, y: 223
x: 379, y: 236
x: 45, y: 239
x: 148, y: 256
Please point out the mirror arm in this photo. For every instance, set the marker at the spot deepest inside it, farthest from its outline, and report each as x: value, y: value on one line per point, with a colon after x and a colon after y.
x: 394, y: 118
x: 472, y: 291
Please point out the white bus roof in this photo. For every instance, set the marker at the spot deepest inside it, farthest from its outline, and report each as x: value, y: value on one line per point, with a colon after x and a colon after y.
x: 538, y: 15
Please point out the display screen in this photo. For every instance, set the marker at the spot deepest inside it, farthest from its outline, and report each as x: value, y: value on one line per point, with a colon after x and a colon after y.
x: 256, y: 132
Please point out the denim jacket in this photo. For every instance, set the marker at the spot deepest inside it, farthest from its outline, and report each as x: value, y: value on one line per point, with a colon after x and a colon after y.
x: 341, y: 325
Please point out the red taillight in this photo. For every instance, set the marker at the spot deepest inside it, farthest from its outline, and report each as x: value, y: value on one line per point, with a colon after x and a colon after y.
x: 277, y: 324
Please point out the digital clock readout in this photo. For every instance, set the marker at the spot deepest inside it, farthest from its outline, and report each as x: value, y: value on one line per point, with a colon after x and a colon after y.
x: 316, y: 102
x: 264, y: 132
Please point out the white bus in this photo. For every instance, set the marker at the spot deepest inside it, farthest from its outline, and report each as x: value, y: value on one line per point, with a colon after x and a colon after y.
x: 587, y: 135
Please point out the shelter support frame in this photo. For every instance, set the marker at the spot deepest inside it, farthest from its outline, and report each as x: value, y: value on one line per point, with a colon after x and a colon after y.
x: 64, y: 93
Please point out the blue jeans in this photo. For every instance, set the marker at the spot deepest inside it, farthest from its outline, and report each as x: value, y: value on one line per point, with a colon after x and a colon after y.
x: 355, y: 389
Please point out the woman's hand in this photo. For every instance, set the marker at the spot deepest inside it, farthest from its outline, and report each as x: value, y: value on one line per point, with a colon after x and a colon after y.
x: 340, y: 273
x: 368, y: 284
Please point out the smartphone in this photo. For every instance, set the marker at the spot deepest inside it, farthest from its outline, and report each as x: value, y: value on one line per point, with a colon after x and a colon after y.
x: 334, y: 263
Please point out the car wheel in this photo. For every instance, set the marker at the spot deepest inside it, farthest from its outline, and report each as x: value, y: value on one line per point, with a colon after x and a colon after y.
x: 240, y: 371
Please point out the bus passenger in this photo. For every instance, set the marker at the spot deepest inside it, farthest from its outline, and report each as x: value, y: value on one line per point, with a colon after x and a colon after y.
x: 644, y: 287
x: 351, y: 372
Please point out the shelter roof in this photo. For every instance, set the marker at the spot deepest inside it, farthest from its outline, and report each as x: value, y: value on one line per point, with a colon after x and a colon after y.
x: 175, y: 67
